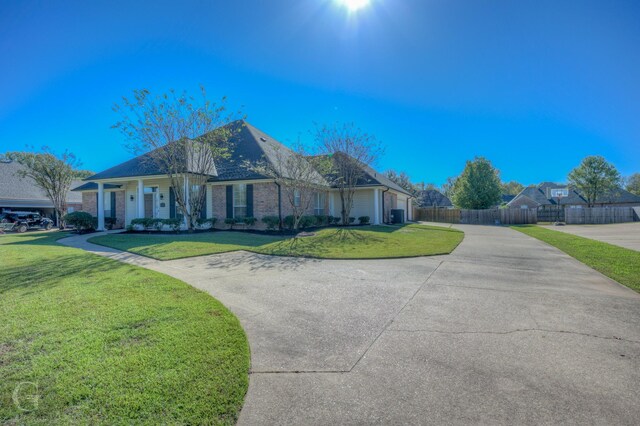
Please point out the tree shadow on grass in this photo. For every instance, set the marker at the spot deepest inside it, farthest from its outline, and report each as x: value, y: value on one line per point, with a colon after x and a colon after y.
x: 54, y: 266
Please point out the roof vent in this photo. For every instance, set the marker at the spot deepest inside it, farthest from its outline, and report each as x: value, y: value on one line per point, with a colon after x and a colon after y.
x: 263, y: 139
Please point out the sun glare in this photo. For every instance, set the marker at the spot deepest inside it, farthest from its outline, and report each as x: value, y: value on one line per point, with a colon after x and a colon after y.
x: 354, y: 5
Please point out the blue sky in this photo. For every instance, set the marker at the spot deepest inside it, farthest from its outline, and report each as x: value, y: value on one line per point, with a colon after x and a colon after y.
x: 533, y: 86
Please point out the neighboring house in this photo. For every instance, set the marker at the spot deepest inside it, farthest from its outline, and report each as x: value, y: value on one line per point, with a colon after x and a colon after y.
x: 541, y: 197
x: 22, y: 194
x: 139, y: 188
x: 433, y: 198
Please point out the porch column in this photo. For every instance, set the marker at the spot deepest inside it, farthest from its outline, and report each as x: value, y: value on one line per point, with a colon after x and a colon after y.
x: 140, y: 198
x: 100, y: 206
x: 208, y: 201
x: 376, y: 207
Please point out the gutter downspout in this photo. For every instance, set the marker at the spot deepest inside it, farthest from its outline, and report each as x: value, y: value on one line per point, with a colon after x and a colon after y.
x: 383, y: 204
x: 279, y: 203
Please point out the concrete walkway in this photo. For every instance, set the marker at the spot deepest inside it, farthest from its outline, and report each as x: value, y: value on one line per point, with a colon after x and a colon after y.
x: 620, y: 234
x: 506, y: 330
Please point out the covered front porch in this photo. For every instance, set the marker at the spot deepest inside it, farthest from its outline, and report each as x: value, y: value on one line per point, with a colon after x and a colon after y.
x: 144, y: 197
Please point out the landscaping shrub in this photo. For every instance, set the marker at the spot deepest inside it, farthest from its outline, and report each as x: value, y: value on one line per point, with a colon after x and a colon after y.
x: 272, y: 222
x: 231, y: 221
x: 334, y: 220
x: 211, y: 222
x: 82, y: 221
x: 110, y: 222
x: 249, y: 220
x: 287, y: 222
x: 174, y: 224
x: 306, y: 222
x: 363, y: 220
x: 322, y: 220
x: 148, y: 223
x: 352, y: 219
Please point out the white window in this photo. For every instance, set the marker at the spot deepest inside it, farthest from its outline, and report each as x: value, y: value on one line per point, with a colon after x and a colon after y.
x: 70, y: 209
x: 319, y: 203
x: 240, y: 200
x: 296, y: 197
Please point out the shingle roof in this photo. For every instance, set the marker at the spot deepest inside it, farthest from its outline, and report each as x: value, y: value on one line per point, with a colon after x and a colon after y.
x: 92, y: 186
x: 248, y: 145
x: 371, y: 177
x: 15, y: 188
x: 542, y: 195
x: 431, y: 198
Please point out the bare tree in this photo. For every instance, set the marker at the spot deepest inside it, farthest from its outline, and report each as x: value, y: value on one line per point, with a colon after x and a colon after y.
x: 348, y: 150
x: 296, y: 173
x: 182, y: 136
x: 52, y: 173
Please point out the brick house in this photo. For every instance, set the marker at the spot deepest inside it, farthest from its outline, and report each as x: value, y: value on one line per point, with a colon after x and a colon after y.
x: 138, y: 188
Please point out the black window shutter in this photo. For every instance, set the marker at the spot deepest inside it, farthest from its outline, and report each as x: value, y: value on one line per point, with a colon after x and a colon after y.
x: 203, y: 209
x: 172, y: 203
x: 250, y: 200
x: 229, y: 201
x: 113, y: 204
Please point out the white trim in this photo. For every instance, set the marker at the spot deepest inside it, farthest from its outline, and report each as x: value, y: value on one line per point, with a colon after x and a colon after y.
x: 100, y: 206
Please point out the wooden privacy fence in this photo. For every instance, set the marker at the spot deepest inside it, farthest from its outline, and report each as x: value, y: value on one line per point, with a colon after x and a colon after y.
x: 477, y: 217
x: 599, y: 215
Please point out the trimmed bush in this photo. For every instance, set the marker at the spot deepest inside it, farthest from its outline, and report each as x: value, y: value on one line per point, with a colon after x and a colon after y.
x: 306, y: 222
x: 363, y: 220
x: 272, y: 222
x: 82, y: 221
x: 174, y: 224
x: 334, y: 220
x: 110, y: 222
x: 322, y: 220
x: 210, y: 222
x: 249, y: 220
x: 352, y: 219
x: 288, y: 221
x: 231, y: 221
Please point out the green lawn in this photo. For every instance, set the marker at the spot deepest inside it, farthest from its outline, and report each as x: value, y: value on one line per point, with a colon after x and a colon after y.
x: 618, y: 263
x: 367, y: 242
x: 99, y: 341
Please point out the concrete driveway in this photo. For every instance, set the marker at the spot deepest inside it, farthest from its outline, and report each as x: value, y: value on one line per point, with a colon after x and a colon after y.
x: 505, y: 330
x: 620, y: 234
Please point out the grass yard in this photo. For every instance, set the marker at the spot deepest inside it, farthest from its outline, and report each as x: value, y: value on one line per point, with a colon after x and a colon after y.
x: 86, y: 340
x: 617, y: 263
x: 168, y: 247
x: 367, y: 242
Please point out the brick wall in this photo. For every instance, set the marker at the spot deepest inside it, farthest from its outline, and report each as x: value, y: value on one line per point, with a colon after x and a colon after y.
x: 265, y: 203
x: 89, y: 203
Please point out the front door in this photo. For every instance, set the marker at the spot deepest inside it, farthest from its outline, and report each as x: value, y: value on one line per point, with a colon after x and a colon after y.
x: 148, y: 205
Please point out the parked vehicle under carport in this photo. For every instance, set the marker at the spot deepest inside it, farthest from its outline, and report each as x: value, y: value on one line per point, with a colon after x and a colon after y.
x: 23, y: 221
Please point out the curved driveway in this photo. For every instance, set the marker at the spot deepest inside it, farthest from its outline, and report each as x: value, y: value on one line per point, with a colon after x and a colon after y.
x: 505, y: 330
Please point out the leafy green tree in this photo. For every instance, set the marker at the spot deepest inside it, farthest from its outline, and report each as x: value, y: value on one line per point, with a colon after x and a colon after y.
x: 447, y: 187
x: 595, y: 177
x: 50, y: 172
x: 478, y: 187
x: 633, y: 184
x: 511, y: 187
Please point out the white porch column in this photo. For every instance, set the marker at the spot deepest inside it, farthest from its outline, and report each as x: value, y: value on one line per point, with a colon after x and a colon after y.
x: 376, y: 206
x: 100, y: 206
x: 208, y: 201
x: 140, y: 198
